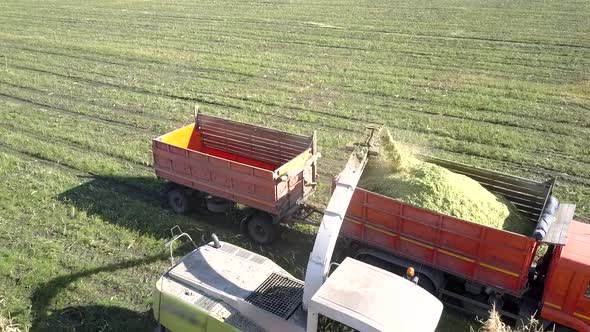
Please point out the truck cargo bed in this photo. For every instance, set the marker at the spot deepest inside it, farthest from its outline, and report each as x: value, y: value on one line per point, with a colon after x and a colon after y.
x: 482, y: 254
x: 269, y: 170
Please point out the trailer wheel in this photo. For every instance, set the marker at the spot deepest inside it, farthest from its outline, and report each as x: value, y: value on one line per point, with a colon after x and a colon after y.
x: 261, y: 229
x: 218, y: 204
x: 179, y: 200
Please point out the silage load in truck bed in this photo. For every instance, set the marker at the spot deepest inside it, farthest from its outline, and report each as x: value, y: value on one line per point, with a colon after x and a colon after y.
x: 396, y: 173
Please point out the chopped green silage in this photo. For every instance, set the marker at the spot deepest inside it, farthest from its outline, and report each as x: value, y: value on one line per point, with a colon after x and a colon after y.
x: 398, y: 174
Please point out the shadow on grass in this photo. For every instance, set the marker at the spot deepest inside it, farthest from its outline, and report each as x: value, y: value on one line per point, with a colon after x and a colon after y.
x: 96, y: 318
x: 99, y: 317
x: 91, y: 317
x: 136, y: 203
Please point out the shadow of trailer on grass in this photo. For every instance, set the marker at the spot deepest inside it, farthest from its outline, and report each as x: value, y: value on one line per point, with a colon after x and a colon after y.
x: 138, y: 204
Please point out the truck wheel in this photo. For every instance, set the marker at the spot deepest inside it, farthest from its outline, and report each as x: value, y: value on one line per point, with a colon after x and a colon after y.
x: 261, y: 229
x: 179, y: 200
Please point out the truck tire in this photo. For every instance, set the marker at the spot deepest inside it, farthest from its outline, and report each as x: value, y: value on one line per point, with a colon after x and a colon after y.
x: 179, y: 200
x: 261, y: 228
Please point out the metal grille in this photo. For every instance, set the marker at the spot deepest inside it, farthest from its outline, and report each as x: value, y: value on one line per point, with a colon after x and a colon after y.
x: 258, y: 259
x: 206, y: 303
x: 278, y: 295
x: 230, y: 249
x: 243, y: 254
x: 236, y: 251
x: 242, y: 323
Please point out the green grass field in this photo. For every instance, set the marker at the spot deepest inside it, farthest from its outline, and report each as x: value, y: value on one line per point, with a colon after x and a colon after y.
x: 85, y: 86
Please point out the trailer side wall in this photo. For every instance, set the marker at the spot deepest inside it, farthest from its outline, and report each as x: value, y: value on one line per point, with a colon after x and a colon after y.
x: 262, y: 168
x: 482, y: 254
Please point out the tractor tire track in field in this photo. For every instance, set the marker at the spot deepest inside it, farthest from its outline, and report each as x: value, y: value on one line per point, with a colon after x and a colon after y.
x: 350, y: 28
x: 534, y: 151
x: 96, y: 103
x: 92, y: 118
x: 385, y: 79
x: 193, y: 99
x: 503, y: 123
x: 547, y: 171
x: 37, y: 158
x: 452, y: 68
x: 23, y: 87
x: 468, y: 64
x: 432, y: 66
x: 477, y: 120
x: 435, y: 88
x: 362, y: 29
x: 136, y: 190
x: 75, y: 145
x: 321, y: 113
x: 108, y: 121
x: 510, y: 61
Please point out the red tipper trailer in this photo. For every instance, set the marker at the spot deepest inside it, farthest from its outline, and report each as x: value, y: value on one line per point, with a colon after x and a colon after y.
x: 472, y: 251
x: 270, y: 171
x: 471, y: 266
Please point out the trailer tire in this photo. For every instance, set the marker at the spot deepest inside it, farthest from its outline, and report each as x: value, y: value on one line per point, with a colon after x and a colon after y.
x: 179, y: 200
x: 218, y: 204
x: 261, y: 228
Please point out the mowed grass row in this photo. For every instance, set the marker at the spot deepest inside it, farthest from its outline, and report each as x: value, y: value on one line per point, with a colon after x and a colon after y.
x: 416, y: 18
x: 512, y: 145
x: 84, y: 89
x: 94, y: 250
x: 511, y: 94
x: 559, y: 144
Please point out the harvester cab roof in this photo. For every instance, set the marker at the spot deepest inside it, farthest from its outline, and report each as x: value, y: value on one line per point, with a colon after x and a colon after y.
x: 368, y: 298
x: 235, y: 289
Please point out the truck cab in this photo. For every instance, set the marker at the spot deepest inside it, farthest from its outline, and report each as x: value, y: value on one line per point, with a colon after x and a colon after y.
x: 566, y: 298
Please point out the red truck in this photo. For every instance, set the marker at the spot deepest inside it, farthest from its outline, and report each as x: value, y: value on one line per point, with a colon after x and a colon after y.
x: 470, y: 266
x: 222, y: 162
